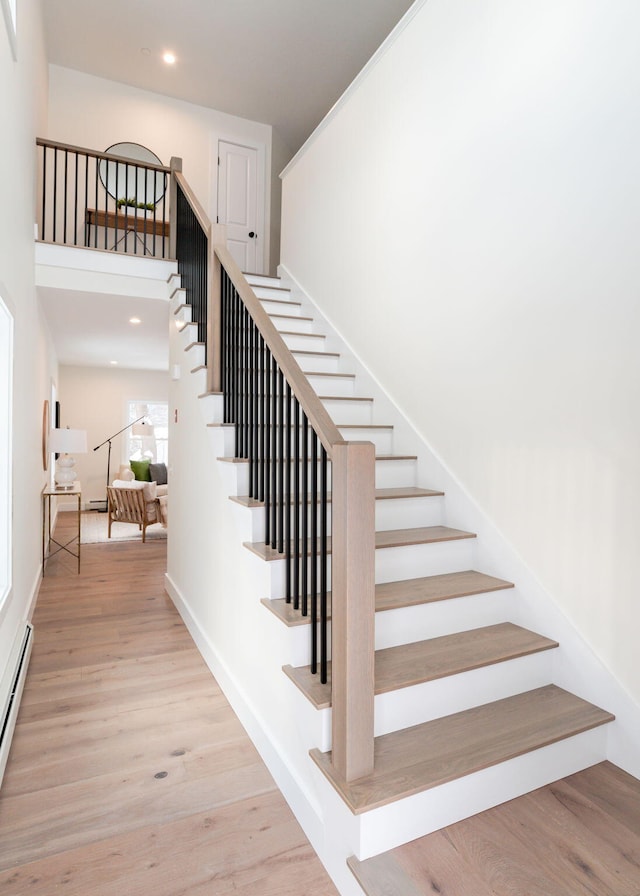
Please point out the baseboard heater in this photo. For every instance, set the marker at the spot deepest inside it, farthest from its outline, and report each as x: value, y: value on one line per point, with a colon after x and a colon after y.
x: 11, y: 688
x: 100, y: 505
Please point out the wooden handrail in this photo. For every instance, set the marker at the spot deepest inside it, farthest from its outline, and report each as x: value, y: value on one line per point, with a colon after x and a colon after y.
x: 92, y: 153
x: 325, y: 428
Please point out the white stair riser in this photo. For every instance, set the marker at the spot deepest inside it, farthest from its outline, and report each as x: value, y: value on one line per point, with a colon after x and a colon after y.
x: 390, y: 514
x: 381, y: 438
x: 405, y: 513
x: 262, y: 280
x: 188, y: 334
x: 408, y: 624
x: 283, y: 322
x: 321, y: 363
x: 275, y: 305
x: 421, y: 814
x: 222, y: 440
x: 456, y: 693
x: 444, y: 617
x: 424, y: 702
x: 396, y: 473
x: 411, y: 561
x: 332, y: 385
x: 182, y: 314
x: 195, y: 355
x: 198, y: 377
x: 269, y: 291
x: 349, y: 411
x: 212, y: 408
x: 309, y: 342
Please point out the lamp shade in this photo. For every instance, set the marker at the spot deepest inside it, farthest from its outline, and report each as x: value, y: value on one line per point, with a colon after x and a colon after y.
x: 142, y: 429
x: 68, y: 441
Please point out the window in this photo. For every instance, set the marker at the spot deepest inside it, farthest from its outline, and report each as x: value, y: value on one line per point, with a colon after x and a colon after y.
x: 6, y: 379
x: 156, y: 446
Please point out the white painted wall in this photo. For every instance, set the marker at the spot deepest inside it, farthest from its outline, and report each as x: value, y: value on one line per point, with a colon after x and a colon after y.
x: 468, y: 220
x: 95, y: 113
x: 23, y: 90
x: 95, y: 399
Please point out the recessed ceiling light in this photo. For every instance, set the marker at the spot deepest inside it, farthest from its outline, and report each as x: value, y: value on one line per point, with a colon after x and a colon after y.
x: 169, y: 57
x: 113, y: 362
x: 135, y: 320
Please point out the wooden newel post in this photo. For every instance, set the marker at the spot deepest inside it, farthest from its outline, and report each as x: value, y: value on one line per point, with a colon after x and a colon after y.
x: 176, y: 165
x: 352, y: 607
x: 217, y: 237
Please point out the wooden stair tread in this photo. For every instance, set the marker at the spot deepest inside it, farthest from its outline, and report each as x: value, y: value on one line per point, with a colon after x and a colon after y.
x: 388, y: 538
x: 410, y: 664
x: 349, y: 376
x: 281, y: 300
x: 379, y: 457
x: 381, y: 494
x: 425, y: 756
x: 408, y: 593
x: 304, y: 351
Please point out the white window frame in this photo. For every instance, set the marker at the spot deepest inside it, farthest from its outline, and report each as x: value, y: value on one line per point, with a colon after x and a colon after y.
x: 156, y: 445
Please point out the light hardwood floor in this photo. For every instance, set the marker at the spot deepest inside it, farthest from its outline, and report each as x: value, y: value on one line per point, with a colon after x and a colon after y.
x: 577, y: 837
x: 129, y: 773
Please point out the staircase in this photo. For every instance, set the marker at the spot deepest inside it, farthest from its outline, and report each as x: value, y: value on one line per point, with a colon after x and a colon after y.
x: 467, y: 714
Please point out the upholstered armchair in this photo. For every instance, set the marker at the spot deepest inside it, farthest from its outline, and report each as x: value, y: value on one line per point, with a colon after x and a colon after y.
x: 127, y: 503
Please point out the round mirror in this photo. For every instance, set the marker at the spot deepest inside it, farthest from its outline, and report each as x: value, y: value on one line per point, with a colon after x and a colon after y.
x: 129, y: 183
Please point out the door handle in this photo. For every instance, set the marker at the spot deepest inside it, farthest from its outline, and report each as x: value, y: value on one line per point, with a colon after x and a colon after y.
x: 252, y: 235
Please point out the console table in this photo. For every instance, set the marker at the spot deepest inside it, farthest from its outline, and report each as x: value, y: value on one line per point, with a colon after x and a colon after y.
x: 49, y: 492
x: 124, y: 224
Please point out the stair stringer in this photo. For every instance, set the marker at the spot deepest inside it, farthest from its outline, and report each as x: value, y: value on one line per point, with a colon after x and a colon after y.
x: 577, y: 667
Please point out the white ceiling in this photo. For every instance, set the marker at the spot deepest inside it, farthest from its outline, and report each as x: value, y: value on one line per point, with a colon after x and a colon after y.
x: 93, y: 330
x: 280, y: 62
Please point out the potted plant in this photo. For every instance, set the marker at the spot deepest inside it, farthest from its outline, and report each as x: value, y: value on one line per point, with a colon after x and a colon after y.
x: 131, y: 206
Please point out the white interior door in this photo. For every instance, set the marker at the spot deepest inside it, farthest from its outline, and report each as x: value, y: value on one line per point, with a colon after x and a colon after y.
x: 238, y: 204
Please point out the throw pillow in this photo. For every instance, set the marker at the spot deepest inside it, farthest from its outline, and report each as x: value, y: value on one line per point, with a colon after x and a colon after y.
x: 158, y: 473
x: 141, y: 470
x: 149, y: 489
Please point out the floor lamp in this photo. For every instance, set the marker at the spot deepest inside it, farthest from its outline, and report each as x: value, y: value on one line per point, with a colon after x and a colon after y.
x: 139, y: 429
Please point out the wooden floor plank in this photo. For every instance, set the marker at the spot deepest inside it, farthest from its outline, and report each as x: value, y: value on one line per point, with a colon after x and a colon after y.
x: 129, y: 772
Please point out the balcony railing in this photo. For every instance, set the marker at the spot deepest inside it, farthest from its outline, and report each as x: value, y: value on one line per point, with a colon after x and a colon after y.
x: 102, y: 201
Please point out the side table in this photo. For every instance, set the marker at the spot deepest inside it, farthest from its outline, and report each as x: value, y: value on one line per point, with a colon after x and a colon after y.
x: 49, y: 492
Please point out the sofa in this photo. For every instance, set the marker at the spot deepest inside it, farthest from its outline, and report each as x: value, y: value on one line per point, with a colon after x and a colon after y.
x: 138, y: 474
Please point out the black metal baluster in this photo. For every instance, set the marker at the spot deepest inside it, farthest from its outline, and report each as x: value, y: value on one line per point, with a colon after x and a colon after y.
x: 263, y: 414
x: 75, y: 204
x: 305, y: 514
x: 164, y: 215
x: 295, y: 509
x: 86, y: 192
x: 287, y: 496
x: 256, y: 412
x: 135, y: 208
x: 64, y: 201
x: 44, y: 191
x: 247, y: 385
x: 323, y: 565
x: 273, y: 435
x: 266, y: 441
x: 281, y: 462
x: 55, y: 191
x: 313, y: 551
x: 95, y: 219
x: 250, y: 405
